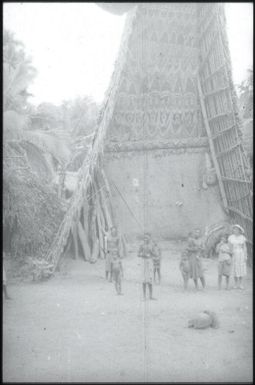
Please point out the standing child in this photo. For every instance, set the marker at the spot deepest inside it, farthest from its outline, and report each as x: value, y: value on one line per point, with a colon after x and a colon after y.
x: 195, y: 248
x: 156, y: 262
x: 184, y: 267
x: 117, y: 271
x: 112, y: 244
x: 146, y: 253
x: 108, y: 266
x: 237, y: 243
x: 224, y: 261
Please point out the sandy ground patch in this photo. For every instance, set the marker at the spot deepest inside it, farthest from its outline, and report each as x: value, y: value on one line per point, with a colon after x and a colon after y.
x: 75, y: 328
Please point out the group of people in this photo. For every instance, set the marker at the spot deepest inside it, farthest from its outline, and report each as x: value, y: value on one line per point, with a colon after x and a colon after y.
x: 232, y: 257
x: 231, y: 252
x: 149, y: 251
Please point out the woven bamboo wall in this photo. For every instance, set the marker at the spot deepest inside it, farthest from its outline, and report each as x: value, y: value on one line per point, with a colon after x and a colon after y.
x: 222, y: 113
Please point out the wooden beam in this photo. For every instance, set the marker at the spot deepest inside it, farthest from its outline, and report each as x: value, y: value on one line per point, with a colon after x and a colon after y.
x: 219, y: 133
x: 211, y: 145
x: 227, y: 151
x: 101, y: 237
x: 84, y: 241
x: 228, y: 179
x: 215, y: 72
x: 217, y: 91
x: 75, y: 242
x: 238, y: 212
x: 100, y: 229
x: 220, y: 115
x: 95, y: 250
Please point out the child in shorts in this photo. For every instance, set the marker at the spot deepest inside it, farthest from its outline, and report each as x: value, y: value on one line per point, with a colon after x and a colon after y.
x: 117, y: 271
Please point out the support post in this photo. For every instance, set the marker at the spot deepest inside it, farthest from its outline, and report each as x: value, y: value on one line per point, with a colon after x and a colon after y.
x: 75, y: 241
x: 211, y: 145
x: 84, y: 242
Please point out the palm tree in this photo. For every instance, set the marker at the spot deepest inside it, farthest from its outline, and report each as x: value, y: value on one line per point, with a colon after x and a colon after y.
x: 31, y: 210
x: 46, y: 147
x: 246, y: 110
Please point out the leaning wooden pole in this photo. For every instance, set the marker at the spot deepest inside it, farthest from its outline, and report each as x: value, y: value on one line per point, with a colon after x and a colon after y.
x: 84, y: 242
x: 75, y: 242
x: 211, y: 145
x: 55, y: 250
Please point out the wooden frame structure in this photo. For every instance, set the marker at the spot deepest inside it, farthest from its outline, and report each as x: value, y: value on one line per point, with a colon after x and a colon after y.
x: 219, y: 98
x: 90, y: 213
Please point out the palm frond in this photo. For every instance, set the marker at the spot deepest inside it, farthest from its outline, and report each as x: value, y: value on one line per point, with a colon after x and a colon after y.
x: 48, y: 142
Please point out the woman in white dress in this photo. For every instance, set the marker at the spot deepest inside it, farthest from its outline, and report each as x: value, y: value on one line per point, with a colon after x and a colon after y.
x: 237, y: 243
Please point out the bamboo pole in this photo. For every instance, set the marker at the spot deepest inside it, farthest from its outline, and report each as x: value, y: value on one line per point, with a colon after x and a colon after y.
x: 85, y: 217
x: 237, y: 189
x: 109, y: 193
x: 84, y: 242
x: 75, y: 242
x: 93, y: 230
x: 101, y: 238
x: 95, y: 250
x: 211, y: 144
x: 100, y: 229
x: 124, y: 246
x: 105, y: 209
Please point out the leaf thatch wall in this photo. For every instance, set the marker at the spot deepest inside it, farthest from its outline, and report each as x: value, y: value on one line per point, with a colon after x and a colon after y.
x: 31, y: 211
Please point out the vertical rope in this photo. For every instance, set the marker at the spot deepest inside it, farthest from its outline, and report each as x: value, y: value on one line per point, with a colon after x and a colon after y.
x: 145, y: 163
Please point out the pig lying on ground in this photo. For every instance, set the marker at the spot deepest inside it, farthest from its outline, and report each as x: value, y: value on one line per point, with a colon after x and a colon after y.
x: 204, y: 320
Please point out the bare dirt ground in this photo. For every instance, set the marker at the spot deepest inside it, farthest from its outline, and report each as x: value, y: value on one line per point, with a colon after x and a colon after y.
x: 75, y: 328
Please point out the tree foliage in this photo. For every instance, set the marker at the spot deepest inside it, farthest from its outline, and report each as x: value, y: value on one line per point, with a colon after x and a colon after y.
x: 246, y: 96
x: 37, y: 141
x: 246, y: 111
x: 31, y: 210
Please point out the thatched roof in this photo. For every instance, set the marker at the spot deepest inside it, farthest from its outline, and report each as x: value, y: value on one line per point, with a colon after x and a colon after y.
x: 31, y: 211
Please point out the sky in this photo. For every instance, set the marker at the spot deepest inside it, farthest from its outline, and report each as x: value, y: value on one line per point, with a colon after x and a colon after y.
x: 74, y: 46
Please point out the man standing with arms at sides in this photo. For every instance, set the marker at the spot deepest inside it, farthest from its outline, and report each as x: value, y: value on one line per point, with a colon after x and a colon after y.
x: 146, y: 252
x: 157, y: 262
x: 112, y: 245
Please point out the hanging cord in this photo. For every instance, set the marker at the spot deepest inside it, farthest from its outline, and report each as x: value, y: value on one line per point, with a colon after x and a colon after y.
x: 124, y: 200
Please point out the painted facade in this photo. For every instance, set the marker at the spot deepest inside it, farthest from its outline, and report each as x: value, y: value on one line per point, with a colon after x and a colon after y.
x: 156, y: 145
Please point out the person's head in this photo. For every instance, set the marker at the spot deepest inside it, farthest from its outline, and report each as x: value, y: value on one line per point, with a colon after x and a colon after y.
x: 197, y: 233
x: 147, y: 238
x: 237, y: 230
x: 114, y: 231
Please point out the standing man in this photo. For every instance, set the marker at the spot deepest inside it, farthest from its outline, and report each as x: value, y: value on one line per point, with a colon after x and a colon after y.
x: 112, y: 245
x: 146, y: 252
x: 156, y: 262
